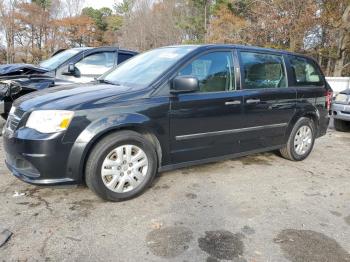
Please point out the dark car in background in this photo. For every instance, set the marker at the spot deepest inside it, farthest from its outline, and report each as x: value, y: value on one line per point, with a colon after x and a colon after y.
x: 76, y: 65
x: 168, y: 108
x: 341, y: 111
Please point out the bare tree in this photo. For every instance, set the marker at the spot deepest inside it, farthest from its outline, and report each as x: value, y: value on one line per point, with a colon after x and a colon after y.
x: 343, y: 44
x: 7, y: 19
x: 152, y: 25
x: 74, y: 7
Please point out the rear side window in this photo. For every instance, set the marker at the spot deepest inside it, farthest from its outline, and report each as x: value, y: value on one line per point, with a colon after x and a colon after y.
x: 263, y: 71
x: 305, y: 72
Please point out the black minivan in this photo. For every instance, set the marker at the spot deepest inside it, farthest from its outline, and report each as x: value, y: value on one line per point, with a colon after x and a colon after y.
x: 168, y: 108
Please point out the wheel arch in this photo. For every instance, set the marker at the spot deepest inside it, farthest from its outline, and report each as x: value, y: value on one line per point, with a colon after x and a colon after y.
x: 312, y: 114
x: 87, y: 140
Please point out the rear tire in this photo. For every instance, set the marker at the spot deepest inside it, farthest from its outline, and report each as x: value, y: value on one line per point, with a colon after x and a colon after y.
x: 121, y: 166
x: 301, y: 140
x: 341, y: 125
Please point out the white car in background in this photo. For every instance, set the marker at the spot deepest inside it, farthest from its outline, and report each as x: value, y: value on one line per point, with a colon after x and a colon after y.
x: 341, y: 111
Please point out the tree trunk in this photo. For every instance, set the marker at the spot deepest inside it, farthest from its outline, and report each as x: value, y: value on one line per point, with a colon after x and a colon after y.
x: 344, y: 32
x: 339, y: 65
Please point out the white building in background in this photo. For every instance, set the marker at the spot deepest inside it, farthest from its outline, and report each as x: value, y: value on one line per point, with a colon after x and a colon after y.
x: 339, y: 84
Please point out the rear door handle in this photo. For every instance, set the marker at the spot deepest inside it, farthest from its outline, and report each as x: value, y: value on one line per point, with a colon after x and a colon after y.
x: 252, y: 101
x: 234, y: 102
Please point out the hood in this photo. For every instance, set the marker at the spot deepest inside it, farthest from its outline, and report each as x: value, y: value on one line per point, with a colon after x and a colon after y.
x: 21, y: 69
x: 74, y: 97
x: 345, y: 92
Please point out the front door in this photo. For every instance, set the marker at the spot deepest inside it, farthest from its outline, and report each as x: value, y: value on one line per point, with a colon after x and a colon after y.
x: 268, y: 103
x: 89, y: 67
x: 202, y: 123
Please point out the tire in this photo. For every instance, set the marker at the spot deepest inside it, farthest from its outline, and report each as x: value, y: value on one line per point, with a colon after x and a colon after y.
x: 110, y: 156
x: 4, y: 116
x: 341, y: 125
x: 291, y: 150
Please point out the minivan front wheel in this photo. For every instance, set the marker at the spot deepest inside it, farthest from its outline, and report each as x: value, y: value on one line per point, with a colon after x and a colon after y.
x: 301, y: 140
x: 121, y: 166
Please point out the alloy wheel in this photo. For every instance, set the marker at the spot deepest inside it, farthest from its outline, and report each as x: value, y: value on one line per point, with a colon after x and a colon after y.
x: 124, y: 168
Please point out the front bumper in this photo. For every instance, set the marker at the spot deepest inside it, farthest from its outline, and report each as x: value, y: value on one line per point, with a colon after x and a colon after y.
x: 341, y: 111
x: 40, y: 160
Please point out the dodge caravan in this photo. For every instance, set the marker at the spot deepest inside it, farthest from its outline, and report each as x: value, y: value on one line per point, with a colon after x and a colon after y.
x: 164, y: 109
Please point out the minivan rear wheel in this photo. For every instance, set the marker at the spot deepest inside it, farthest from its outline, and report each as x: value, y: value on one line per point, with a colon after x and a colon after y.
x: 301, y: 140
x: 121, y: 166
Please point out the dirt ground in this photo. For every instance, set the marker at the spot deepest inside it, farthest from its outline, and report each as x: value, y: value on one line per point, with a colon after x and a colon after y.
x: 255, y: 208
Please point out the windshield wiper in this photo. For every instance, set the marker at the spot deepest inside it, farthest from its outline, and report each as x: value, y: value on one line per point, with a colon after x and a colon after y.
x: 104, y: 81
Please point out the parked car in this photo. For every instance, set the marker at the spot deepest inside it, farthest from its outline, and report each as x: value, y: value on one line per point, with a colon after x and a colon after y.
x: 341, y: 111
x: 76, y: 65
x: 168, y: 108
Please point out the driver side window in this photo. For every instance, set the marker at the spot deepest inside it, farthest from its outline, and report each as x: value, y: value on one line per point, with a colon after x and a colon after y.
x: 96, y: 64
x: 214, y: 71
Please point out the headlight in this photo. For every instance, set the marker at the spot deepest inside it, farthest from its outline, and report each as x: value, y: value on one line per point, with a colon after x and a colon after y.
x: 12, y: 110
x: 342, y: 98
x: 49, y: 121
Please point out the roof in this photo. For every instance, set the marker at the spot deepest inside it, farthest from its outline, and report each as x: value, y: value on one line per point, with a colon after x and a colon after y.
x: 246, y: 47
x: 106, y: 48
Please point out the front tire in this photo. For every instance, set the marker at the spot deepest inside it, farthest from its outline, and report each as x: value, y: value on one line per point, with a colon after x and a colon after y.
x: 121, y: 166
x: 341, y: 125
x: 4, y: 116
x: 301, y: 140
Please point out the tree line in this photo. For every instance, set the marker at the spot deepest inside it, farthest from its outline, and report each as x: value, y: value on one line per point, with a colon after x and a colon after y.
x: 33, y: 30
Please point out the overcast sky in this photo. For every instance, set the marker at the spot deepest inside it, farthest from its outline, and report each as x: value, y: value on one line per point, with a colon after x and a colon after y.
x: 100, y: 3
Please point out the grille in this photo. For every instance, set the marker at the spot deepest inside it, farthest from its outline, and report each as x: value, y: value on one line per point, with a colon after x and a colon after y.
x: 14, y: 119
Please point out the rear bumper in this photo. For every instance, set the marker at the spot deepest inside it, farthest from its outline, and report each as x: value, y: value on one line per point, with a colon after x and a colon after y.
x: 341, y: 112
x: 40, y: 160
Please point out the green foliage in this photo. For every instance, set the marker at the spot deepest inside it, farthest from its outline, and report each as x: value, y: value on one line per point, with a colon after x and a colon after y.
x: 238, y: 7
x: 195, y: 24
x: 124, y: 7
x: 114, y: 22
x: 99, y: 16
x: 43, y: 3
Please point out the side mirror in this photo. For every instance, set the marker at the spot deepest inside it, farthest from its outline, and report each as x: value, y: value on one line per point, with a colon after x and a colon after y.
x: 185, y: 84
x: 15, y: 89
x: 72, y: 70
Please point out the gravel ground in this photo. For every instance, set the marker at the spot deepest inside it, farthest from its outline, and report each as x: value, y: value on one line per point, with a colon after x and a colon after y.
x: 255, y: 208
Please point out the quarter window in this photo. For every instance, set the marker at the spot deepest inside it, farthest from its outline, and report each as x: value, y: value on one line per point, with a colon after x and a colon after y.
x: 263, y: 71
x: 123, y: 57
x: 305, y: 72
x: 214, y: 72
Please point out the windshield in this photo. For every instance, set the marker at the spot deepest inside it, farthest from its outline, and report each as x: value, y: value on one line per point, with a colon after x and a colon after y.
x: 145, y: 68
x: 55, y: 61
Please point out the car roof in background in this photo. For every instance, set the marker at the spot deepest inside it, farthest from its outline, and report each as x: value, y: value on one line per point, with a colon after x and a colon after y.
x: 105, y: 48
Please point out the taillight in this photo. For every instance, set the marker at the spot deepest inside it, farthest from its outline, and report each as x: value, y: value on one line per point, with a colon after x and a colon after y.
x: 329, y: 97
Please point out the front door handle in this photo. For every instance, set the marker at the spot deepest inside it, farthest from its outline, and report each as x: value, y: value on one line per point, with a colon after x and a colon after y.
x: 234, y: 102
x: 253, y: 101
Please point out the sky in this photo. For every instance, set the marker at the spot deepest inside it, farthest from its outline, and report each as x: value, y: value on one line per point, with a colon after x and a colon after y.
x: 100, y: 3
